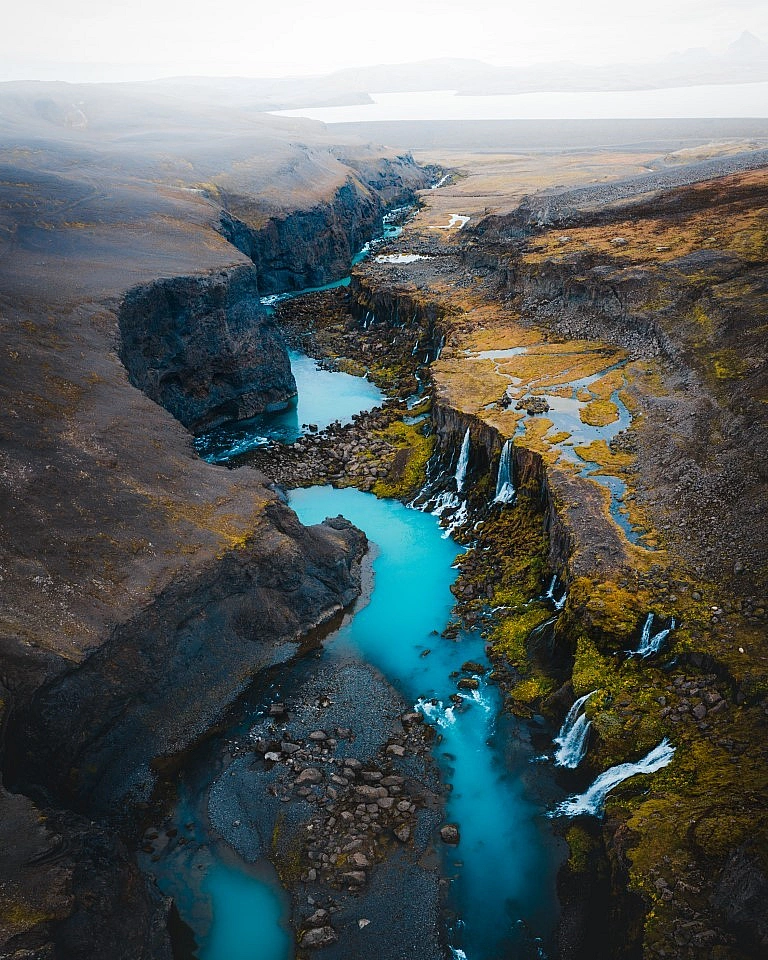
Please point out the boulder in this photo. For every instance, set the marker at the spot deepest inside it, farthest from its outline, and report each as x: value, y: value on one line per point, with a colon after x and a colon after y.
x: 319, y: 937
x: 450, y: 834
x: 310, y: 775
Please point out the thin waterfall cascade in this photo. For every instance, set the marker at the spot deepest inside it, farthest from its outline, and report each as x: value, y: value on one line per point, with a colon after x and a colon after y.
x: 550, y: 595
x: 650, y: 642
x: 505, y: 489
x: 572, y: 738
x: 443, y: 180
x: 592, y: 801
x: 461, y: 466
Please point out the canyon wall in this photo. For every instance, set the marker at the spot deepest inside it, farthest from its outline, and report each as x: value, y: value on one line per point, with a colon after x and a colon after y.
x: 315, y: 243
x: 204, y: 348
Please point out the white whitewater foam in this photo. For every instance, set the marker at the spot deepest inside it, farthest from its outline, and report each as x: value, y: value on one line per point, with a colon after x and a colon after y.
x: 550, y: 595
x: 573, y: 735
x: 505, y: 490
x: 401, y: 257
x: 435, y: 712
x: 650, y: 643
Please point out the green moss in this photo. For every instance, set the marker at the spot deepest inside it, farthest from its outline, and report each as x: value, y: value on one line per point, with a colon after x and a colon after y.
x: 727, y: 365
x: 599, y: 413
x: 581, y: 849
x: 513, y: 554
x: 17, y: 915
x: 533, y: 690
x: 353, y: 367
x: 610, y: 612
x: 408, y: 470
x: 509, y: 637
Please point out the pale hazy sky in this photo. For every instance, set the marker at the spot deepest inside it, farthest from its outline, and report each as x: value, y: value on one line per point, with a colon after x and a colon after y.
x: 106, y: 40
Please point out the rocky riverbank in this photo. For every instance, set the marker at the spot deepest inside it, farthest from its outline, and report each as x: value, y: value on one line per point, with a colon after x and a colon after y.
x: 334, y: 783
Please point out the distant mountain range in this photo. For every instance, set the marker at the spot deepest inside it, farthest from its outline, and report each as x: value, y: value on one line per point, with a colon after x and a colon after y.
x: 743, y: 61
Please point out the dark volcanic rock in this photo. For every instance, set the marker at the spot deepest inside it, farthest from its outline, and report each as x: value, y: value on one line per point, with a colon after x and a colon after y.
x: 204, y: 348
x: 449, y: 834
x: 165, y: 676
x: 54, y: 869
x: 319, y: 937
x: 741, y: 895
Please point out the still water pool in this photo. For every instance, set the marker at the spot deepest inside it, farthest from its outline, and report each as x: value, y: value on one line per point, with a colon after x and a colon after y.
x: 323, y: 396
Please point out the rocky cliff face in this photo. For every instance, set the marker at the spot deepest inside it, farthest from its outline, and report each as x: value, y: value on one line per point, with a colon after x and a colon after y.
x: 204, y: 348
x: 69, y: 885
x: 397, y: 308
x: 165, y: 676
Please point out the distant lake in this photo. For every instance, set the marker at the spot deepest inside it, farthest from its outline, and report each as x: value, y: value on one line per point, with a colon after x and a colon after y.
x: 714, y: 101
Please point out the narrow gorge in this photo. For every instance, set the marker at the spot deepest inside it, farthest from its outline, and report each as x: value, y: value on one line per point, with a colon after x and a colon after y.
x: 417, y: 611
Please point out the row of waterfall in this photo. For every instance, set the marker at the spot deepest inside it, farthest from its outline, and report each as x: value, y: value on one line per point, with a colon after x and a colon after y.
x: 571, y: 741
x: 572, y: 738
x: 650, y: 642
x: 448, y: 501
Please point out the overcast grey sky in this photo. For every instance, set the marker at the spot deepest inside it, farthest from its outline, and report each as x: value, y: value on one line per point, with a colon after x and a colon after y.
x: 105, y: 40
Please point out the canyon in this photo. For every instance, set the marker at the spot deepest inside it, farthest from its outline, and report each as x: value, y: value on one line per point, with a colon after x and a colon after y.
x: 613, y: 334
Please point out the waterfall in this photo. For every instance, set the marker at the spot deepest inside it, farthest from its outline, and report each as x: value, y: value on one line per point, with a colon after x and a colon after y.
x: 572, y: 739
x: 461, y: 466
x: 651, y: 642
x: 505, y: 491
x: 592, y: 800
x: 550, y: 595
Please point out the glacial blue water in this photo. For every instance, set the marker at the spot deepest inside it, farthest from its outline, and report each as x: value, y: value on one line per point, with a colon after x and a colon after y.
x: 322, y: 397
x: 504, y: 866
x: 236, y: 911
x: 246, y: 917
x: 502, y: 873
